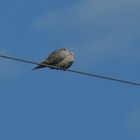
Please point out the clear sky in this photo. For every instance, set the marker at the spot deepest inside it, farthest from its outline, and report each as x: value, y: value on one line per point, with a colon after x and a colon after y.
x: 54, y: 105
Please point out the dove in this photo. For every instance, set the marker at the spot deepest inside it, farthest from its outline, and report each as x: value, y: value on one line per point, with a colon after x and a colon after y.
x: 62, y: 58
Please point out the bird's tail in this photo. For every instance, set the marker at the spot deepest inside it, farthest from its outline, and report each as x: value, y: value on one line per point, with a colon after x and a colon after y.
x: 38, y: 67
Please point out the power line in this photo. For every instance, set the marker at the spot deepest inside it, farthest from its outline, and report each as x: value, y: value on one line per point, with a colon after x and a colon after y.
x: 74, y: 71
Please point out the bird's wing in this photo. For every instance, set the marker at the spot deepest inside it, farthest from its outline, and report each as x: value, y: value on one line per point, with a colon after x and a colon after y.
x: 55, y: 57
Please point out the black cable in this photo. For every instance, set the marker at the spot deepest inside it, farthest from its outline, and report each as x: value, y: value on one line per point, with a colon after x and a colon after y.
x: 74, y: 71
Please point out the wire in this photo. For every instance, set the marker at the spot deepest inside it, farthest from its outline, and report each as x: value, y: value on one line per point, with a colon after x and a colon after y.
x: 74, y: 71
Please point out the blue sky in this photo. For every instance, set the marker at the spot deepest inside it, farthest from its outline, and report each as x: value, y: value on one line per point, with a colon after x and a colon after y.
x: 54, y: 105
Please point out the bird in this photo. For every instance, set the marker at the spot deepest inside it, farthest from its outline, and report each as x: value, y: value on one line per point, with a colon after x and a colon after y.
x: 61, y: 59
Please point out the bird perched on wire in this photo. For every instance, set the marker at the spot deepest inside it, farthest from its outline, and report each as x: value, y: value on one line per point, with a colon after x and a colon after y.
x: 61, y: 58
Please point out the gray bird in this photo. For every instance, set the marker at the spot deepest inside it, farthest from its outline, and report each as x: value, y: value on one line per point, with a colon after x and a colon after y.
x: 62, y: 58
